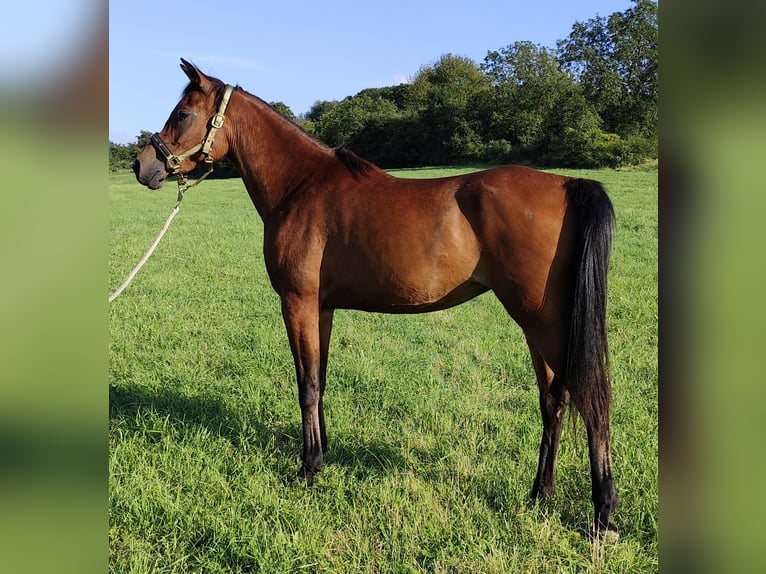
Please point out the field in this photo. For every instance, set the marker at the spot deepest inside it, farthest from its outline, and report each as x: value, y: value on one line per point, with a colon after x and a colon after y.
x: 433, y: 419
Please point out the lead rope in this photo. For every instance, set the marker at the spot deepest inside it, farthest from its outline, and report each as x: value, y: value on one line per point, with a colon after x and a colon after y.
x: 181, y: 189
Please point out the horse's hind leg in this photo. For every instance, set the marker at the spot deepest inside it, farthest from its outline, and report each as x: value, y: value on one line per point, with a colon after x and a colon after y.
x: 553, y: 402
x: 604, y: 494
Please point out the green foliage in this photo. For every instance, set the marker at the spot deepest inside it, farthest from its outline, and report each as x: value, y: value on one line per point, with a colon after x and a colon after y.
x: 448, y: 95
x: 466, y: 144
x: 319, y: 109
x: 343, y: 122
x: 529, y: 83
x: 450, y: 85
x: 611, y: 150
x: 433, y: 419
x: 615, y: 60
x: 436, y: 119
x: 570, y: 132
x: 121, y: 156
x: 592, y: 102
x: 284, y: 109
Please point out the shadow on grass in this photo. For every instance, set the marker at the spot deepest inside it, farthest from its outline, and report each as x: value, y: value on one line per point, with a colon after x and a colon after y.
x: 364, y: 458
x: 153, y: 414
x: 131, y: 406
x: 244, y: 429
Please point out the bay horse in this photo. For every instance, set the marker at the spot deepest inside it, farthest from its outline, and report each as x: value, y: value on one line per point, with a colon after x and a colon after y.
x: 340, y: 233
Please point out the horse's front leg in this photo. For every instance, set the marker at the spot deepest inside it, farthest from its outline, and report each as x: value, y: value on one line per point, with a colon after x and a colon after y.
x: 301, y: 318
x: 325, y: 329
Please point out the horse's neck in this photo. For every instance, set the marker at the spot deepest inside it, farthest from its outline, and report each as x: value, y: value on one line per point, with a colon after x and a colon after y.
x: 271, y: 155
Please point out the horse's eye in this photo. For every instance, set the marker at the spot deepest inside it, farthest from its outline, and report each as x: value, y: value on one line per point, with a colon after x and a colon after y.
x: 183, y: 115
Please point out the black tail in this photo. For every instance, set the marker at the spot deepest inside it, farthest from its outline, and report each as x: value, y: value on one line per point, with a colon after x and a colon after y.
x: 587, y: 369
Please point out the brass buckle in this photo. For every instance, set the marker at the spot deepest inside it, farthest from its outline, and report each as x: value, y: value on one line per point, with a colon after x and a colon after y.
x: 171, y: 160
x: 174, y: 164
x: 217, y: 121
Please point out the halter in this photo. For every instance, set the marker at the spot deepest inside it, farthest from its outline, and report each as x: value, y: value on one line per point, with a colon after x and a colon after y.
x: 173, y: 162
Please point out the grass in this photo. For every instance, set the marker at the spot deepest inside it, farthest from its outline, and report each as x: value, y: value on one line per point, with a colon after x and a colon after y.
x: 433, y: 419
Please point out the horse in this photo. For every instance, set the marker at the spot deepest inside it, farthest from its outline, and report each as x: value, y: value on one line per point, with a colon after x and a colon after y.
x: 340, y: 233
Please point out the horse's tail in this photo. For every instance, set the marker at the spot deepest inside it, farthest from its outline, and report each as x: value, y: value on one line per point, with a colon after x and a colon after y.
x: 587, y: 368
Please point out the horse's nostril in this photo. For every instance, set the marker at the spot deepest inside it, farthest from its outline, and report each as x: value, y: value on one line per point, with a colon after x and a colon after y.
x: 136, y: 167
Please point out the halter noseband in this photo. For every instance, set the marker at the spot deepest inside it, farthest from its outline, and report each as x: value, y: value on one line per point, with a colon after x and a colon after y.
x: 173, y: 162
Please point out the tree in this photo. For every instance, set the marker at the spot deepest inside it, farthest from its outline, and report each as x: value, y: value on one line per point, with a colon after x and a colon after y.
x: 121, y: 156
x: 520, y: 63
x: 284, y: 109
x: 320, y: 108
x: 571, y: 133
x: 143, y: 139
x: 528, y: 81
x: 591, y: 102
x: 616, y: 62
x: 448, y: 98
x: 451, y: 82
x: 345, y: 121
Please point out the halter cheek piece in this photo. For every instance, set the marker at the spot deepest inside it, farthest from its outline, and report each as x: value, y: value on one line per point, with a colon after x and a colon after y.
x: 173, y: 162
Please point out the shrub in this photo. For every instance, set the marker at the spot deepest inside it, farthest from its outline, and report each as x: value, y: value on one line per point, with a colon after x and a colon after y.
x: 497, y: 151
x: 611, y: 150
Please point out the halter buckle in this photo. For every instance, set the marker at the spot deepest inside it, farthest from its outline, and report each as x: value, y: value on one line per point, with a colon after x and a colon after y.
x: 217, y: 121
x: 172, y: 161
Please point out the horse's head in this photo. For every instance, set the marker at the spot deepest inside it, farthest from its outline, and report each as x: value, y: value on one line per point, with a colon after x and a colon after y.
x: 187, y: 138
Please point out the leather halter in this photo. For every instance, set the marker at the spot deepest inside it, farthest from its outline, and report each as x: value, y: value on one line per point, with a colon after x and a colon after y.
x: 173, y: 162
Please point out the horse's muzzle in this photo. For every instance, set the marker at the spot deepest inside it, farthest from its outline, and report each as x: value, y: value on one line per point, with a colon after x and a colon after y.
x: 152, y: 177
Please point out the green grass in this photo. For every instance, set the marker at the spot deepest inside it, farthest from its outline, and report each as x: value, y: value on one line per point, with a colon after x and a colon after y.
x: 433, y: 419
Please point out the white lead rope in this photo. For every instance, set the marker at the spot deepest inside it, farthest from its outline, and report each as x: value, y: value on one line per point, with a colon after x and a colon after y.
x: 146, y: 256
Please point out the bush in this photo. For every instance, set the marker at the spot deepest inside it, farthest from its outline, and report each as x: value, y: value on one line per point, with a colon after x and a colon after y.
x: 611, y: 150
x: 497, y: 151
x: 465, y: 145
x: 572, y: 136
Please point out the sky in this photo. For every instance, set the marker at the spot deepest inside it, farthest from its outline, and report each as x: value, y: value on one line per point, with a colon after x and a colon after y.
x: 299, y: 52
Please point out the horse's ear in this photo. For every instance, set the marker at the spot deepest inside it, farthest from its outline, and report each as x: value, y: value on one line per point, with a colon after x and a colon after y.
x: 196, y: 77
x: 191, y: 71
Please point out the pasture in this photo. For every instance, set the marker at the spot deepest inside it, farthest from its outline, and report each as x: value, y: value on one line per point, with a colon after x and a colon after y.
x: 433, y: 419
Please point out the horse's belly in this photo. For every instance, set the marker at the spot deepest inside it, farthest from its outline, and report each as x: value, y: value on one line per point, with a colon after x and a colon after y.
x: 408, y: 285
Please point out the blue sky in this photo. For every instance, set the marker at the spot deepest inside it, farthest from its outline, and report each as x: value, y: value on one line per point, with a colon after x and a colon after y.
x: 300, y: 52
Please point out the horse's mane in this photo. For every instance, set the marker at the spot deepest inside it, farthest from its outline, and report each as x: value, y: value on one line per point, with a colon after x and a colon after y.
x: 359, y: 167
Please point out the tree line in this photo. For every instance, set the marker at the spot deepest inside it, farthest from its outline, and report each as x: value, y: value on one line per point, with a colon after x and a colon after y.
x: 590, y: 102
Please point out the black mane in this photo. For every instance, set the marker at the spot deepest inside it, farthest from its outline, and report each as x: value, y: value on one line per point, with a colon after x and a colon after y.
x: 358, y: 166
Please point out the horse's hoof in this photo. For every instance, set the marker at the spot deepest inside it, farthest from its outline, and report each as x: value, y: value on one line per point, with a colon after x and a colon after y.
x: 608, y: 535
x: 542, y: 493
x: 305, y: 474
